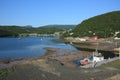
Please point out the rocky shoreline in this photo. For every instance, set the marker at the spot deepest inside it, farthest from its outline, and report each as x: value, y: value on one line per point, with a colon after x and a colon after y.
x: 57, y: 65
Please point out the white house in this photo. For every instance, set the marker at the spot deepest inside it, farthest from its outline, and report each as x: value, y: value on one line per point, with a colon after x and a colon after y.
x: 116, y: 38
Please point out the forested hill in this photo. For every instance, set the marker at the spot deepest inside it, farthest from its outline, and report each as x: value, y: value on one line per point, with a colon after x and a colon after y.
x: 104, y: 25
x: 59, y: 26
x: 8, y: 31
x: 13, y: 31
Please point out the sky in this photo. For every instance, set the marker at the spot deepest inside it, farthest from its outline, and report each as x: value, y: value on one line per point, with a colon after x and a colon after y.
x: 46, y: 12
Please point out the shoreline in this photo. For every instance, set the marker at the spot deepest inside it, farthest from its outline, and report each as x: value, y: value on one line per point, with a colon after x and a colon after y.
x: 62, y: 55
x: 56, y: 65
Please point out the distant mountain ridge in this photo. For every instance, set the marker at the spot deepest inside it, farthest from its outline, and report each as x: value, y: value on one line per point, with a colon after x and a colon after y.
x: 59, y: 26
x: 7, y: 31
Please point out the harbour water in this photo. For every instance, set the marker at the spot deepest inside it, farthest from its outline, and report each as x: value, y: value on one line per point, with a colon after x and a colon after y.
x: 29, y: 47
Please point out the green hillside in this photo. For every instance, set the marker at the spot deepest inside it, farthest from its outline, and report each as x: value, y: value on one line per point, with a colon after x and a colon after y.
x: 5, y: 33
x: 104, y: 25
x: 60, y: 26
x: 50, y: 29
x: 12, y: 31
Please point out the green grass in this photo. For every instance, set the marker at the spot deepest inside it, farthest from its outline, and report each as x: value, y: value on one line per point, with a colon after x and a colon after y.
x: 114, y: 64
x: 4, y: 73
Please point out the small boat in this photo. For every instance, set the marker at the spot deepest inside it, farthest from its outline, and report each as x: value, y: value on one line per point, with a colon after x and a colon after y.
x: 19, y: 38
x: 85, y: 61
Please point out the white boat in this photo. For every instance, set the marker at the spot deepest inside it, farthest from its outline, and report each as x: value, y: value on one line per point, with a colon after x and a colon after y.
x: 97, y: 57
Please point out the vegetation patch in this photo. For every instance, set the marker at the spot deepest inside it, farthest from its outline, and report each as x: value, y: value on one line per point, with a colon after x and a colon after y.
x: 5, y: 72
x: 115, y: 64
x: 104, y: 26
x: 16, y: 31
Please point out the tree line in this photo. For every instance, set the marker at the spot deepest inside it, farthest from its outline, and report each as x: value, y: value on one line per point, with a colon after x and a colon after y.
x: 14, y: 31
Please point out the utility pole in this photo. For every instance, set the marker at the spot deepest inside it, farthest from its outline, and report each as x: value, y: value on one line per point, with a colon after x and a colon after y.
x: 93, y: 60
x: 119, y: 53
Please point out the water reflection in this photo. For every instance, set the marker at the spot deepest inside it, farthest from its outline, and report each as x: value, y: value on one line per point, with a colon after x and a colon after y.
x: 29, y: 46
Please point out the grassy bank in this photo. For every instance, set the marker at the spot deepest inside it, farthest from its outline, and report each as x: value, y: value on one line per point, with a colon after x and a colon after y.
x: 5, y: 72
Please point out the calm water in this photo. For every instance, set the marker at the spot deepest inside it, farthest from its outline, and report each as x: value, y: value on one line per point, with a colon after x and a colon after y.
x: 28, y: 47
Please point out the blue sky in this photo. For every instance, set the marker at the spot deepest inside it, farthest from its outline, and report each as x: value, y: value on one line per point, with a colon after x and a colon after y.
x: 45, y: 12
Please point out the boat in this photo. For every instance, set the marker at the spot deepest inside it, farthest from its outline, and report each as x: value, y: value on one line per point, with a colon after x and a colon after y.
x: 19, y: 38
x: 85, y: 61
x: 97, y: 57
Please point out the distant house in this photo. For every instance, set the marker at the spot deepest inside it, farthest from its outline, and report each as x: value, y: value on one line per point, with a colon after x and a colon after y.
x: 116, y: 50
x: 80, y: 39
x: 116, y: 38
x: 69, y: 38
x: 33, y: 34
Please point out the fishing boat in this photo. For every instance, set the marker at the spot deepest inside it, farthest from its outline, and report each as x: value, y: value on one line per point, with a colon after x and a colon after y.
x: 85, y: 61
x: 97, y: 57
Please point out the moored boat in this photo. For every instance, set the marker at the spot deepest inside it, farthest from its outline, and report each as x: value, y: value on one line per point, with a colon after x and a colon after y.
x: 85, y: 61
